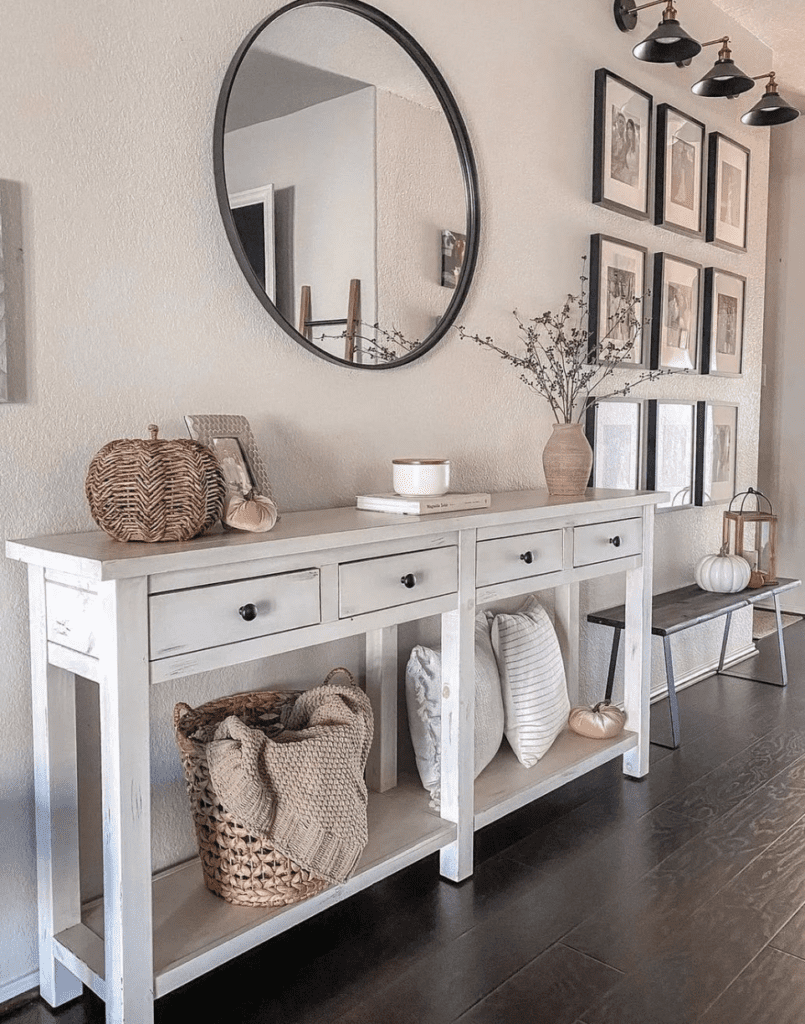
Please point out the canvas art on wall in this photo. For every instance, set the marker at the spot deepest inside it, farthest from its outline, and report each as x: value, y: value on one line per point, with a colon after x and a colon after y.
x: 678, y: 184
x: 727, y: 193
x: 621, y: 145
x: 675, y: 320
x: 617, y: 290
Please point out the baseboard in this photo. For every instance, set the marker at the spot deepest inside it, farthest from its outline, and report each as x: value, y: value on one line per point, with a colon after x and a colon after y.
x: 18, y: 992
x: 681, y: 682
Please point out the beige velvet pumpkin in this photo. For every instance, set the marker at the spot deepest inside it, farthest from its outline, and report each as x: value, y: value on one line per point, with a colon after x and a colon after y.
x: 602, y: 721
x: 252, y: 513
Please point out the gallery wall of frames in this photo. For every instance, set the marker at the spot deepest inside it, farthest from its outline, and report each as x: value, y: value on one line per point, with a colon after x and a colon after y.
x: 662, y: 166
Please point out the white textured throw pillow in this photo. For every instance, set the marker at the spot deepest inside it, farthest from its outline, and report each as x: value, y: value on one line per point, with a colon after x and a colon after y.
x: 423, y: 694
x: 532, y: 676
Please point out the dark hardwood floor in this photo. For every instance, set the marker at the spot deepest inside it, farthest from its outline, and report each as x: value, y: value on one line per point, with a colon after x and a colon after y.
x: 674, y: 900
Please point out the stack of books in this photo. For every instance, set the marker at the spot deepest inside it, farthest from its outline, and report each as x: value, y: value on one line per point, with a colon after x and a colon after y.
x: 422, y: 504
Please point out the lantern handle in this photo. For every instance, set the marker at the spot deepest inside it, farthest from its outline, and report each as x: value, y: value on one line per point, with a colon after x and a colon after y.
x: 744, y: 495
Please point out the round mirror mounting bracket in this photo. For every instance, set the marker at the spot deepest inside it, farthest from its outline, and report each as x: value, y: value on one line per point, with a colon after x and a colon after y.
x: 461, y: 139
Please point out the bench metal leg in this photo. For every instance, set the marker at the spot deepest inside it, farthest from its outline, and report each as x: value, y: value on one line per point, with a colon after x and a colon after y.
x: 724, y: 642
x: 613, y: 660
x: 673, y: 706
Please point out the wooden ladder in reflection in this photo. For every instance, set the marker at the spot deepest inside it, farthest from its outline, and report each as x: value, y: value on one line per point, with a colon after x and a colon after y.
x: 351, y: 323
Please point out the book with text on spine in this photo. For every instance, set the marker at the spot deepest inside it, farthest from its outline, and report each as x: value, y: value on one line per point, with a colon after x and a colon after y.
x: 423, y: 504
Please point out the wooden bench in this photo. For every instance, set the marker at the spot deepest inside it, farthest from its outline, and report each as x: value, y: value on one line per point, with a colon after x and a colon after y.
x: 677, y: 610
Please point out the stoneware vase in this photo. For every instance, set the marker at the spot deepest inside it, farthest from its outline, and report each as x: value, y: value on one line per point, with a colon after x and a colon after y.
x: 567, y: 459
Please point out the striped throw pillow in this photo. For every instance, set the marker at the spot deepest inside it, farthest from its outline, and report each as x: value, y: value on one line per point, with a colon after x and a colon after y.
x: 532, y: 678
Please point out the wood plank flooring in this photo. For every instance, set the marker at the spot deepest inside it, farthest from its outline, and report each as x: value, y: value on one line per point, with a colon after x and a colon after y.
x: 679, y: 899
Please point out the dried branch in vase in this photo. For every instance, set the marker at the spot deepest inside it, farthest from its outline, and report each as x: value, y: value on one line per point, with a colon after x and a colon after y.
x: 555, y: 357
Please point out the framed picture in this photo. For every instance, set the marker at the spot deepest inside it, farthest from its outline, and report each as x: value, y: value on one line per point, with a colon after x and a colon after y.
x: 727, y: 193
x: 622, y: 129
x: 680, y: 171
x: 716, y: 451
x: 253, y: 214
x: 617, y: 292
x: 207, y: 429
x: 615, y: 431
x: 237, y: 475
x: 675, y: 313
x: 723, y: 323
x: 671, y: 451
x: 454, y: 246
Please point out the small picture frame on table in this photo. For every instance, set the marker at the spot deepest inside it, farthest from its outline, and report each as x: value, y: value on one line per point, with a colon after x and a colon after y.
x: 614, y: 428
x: 209, y: 428
x: 678, y: 185
x: 622, y: 129
x: 723, y: 323
x: 616, y: 307
x: 727, y: 193
x: 716, y: 452
x: 671, y: 451
x: 237, y: 475
x: 675, y: 314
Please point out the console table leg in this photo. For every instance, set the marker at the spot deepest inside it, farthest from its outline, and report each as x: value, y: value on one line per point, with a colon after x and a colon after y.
x: 56, y: 786
x: 381, y: 688
x: 566, y: 611
x: 125, y: 756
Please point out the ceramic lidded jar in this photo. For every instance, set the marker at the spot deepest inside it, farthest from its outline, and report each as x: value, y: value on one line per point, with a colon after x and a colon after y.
x: 567, y: 460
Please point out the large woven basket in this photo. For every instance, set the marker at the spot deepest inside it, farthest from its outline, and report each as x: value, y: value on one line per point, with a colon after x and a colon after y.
x: 243, y: 869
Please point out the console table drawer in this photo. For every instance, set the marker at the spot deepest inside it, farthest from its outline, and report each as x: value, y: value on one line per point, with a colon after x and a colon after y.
x: 193, y: 620
x: 514, y: 558
x: 604, y: 542
x: 395, y: 580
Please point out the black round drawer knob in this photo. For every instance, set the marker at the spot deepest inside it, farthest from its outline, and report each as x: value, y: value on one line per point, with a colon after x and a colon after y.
x: 527, y: 557
x: 409, y: 580
x: 615, y: 542
x: 248, y: 612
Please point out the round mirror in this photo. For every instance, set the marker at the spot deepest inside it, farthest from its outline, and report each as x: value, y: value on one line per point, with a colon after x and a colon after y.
x: 347, y: 183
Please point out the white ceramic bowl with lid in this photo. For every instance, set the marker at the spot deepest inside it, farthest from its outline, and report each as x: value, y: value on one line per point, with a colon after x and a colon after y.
x: 414, y: 478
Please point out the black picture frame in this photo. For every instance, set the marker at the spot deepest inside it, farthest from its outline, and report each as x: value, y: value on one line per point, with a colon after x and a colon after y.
x: 716, y: 452
x: 728, y: 175
x: 671, y: 450
x: 615, y: 428
x: 675, y: 318
x: 622, y: 155
x: 679, y: 172
x: 617, y: 271
x: 723, y: 312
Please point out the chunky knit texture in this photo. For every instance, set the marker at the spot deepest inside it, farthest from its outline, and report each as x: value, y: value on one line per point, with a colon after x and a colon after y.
x: 303, y: 789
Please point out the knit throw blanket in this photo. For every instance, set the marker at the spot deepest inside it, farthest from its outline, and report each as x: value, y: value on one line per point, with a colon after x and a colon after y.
x: 304, y: 789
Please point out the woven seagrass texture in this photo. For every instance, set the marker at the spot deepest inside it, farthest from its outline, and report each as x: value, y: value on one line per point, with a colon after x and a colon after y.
x: 241, y: 868
x: 155, y: 490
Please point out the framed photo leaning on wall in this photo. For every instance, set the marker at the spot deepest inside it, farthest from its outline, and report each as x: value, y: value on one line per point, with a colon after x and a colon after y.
x: 622, y: 130
x: 723, y: 323
x: 727, y: 193
x: 679, y: 178
x: 675, y: 313
x: 614, y: 428
x: 716, y: 452
x: 671, y: 450
x: 617, y: 297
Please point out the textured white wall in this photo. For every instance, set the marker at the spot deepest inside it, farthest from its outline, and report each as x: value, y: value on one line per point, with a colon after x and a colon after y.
x: 134, y: 310
x: 782, y: 438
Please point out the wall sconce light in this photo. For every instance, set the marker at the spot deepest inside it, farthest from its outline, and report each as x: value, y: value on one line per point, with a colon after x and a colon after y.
x: 771, y: 108
x: 723, y: 78
x: 669, y: 43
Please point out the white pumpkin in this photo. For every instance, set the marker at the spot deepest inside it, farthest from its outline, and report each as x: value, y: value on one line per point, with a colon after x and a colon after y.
x: 722, y: 573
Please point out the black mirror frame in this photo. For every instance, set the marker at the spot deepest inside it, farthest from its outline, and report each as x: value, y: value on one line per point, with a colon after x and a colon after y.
x: 466, y: 160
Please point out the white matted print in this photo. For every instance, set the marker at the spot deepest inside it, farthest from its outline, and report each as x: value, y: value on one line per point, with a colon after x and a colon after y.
x: 671, y: 451
x: 716, y: 452
x: 614, y: 429
x: 675, y: 320
x: 680, y: 160
x: 727, y: 192
x: 723, y: 323
x: 617, y: 289
x: 621, y: 145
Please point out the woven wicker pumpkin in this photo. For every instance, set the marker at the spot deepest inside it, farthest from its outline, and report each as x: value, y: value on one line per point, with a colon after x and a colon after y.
x: 155, y: 490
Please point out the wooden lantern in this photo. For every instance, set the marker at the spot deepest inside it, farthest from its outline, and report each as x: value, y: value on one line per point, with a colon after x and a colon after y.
x: 759, y: 549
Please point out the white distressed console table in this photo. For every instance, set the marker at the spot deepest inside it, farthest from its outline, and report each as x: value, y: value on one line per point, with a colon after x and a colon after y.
x: 130, y: 616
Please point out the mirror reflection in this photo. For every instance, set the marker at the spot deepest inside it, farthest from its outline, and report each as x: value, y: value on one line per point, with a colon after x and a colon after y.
x: 345, y: 186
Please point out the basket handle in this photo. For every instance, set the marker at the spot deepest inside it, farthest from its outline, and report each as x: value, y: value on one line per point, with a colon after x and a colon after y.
x: 183, y: 741
x: 346, y: 672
